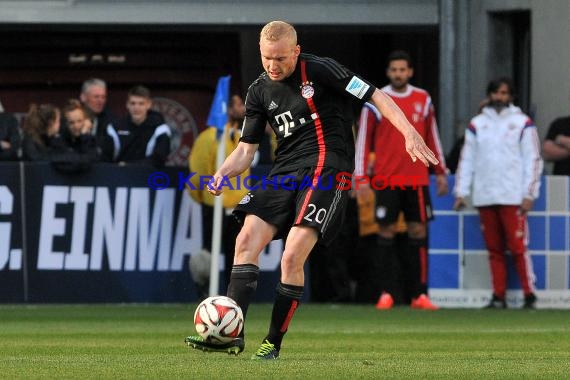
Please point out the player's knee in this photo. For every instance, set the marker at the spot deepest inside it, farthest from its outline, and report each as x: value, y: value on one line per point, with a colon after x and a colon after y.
x: 291, y: 264
x: 242, y: 239
x: 243, y: 244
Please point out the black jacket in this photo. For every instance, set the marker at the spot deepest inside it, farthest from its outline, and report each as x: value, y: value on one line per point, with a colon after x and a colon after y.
x: 67, y: 157
x: 147, y: 143
x: 9, y: 131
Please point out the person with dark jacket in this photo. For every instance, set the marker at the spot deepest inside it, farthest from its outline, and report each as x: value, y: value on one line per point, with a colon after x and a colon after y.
x: 94, y: 99
x: 43, y: 142
x: 77, y: 136
x: 9, y: 136
x: 556, y: 146
x: 143, y: 135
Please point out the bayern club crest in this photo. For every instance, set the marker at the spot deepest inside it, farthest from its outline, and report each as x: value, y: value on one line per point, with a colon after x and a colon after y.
x: 183, y: 128
x: 307, y: 90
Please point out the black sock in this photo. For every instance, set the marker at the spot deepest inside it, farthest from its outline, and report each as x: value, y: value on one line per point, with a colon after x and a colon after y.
x: 286, y: 301
x: 387, y: 259
x: 242, y: 286
x: 418, y: 266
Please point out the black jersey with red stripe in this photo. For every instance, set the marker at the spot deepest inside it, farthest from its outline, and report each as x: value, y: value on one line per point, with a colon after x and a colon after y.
x: 311, y: 112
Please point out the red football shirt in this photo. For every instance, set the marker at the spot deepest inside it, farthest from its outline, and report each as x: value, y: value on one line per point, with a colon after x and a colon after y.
x: 376, y: 134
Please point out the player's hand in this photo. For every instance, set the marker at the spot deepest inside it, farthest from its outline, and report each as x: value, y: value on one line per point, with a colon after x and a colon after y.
x: 214, y: 187
x: 417, y: 148
x: 441, y: 184
x: 526, y: 205
x: 5, y: 145
x: 459, y: 204
x: 361, y: 189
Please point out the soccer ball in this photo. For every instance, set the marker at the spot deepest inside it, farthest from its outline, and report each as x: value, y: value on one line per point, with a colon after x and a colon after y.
x: 218, y: 319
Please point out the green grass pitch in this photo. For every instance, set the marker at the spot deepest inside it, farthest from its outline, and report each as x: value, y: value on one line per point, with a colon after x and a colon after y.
x: 324, y: 342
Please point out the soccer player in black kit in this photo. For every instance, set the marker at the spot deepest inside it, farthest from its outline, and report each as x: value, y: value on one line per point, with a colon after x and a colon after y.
x: 308, y: 102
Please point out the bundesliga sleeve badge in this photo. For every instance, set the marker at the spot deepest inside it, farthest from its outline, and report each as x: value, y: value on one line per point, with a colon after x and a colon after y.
x: 307, y: 90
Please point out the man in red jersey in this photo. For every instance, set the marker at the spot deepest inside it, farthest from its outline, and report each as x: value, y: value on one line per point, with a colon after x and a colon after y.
x: 400, y: 184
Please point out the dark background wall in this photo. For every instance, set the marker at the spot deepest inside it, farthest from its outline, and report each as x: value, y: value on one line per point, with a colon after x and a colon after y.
x: 48, y: 63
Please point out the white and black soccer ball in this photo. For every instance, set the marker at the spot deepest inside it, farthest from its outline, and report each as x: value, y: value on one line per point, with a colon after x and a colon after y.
x: 218, y: 319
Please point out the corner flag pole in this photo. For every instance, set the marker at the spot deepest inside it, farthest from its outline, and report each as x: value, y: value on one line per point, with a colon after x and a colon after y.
x: 217, y: 227
x: 218, y: 118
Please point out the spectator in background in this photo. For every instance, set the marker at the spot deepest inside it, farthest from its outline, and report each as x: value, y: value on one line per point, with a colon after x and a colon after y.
x: 411, y: 193
x: 94, y: 97
x: 9, y: 136
x: 77, y: 132
x: 202, y: 161
x: 556, y: 145
x: 501, y: 159
x: 142, y: 136
x: 77, y: 123
x: 42, y: 141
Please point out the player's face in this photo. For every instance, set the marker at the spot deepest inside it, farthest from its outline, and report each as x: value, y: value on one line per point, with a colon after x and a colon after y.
x: 138, y: 107
x: 279, y: 57
x: 399, y: 73
x: 502, y: 95
x: 95, y: 98
x: 76, y: 121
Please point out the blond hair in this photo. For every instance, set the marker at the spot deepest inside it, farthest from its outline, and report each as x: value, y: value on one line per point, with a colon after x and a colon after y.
x: 276, y: 30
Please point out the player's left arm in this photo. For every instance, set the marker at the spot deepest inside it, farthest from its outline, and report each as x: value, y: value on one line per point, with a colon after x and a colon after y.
x: 415, y: 144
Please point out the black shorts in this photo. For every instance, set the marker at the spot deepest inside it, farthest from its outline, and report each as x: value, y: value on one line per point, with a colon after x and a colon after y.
x: 306, y: 197
x: 414, y: 202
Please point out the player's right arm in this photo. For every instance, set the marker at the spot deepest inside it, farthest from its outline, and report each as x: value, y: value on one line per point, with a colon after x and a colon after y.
x: 236, y: 163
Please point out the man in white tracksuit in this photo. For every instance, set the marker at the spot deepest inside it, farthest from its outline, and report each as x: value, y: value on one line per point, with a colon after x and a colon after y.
x: 501, y: 161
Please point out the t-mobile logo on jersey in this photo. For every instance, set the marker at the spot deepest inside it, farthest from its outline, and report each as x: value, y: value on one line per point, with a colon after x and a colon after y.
x: 289, y: 124
x: 285, y: 122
